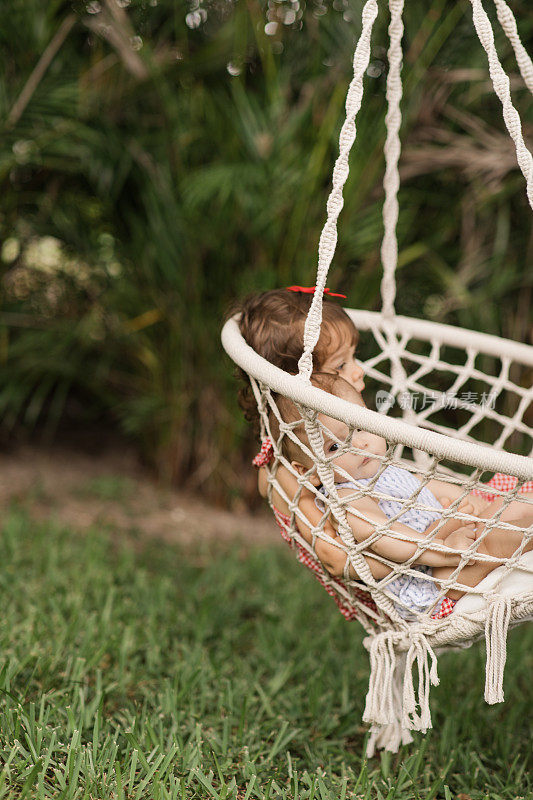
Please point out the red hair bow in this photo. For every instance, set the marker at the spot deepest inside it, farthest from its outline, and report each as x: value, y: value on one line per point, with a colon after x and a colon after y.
x: 312, y: 289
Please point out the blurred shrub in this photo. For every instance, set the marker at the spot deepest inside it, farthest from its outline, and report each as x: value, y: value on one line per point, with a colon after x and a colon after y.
x: 160, y: 158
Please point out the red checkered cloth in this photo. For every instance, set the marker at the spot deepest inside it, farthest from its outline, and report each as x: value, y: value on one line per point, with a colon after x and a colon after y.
x: 265, y: 455
x: 505, y: 483
x: 445, y: 609
x: 348, y: 610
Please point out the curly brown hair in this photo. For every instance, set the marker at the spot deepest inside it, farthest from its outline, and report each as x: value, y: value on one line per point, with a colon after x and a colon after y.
x: 273, y: 322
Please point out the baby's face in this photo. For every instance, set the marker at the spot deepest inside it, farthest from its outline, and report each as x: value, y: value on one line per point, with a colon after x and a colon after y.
x: 357, y: 466
x: 342, y: 360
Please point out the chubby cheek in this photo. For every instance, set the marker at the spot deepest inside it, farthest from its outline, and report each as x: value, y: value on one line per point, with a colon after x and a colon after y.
x: 377, y: 445
x: 384, y: 447
x: 350, y: 464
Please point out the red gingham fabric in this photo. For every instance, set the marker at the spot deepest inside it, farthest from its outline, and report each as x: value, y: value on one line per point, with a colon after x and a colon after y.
x: 446, y: 607
x: 505, y: 483
x: 265, y: 455
x: 347, y: 610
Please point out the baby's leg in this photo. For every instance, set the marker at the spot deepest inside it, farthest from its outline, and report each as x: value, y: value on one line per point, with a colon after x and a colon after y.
x: 472, y: 573
x: 503, y: 543
x: 499, y: 543
x: 516, y: 509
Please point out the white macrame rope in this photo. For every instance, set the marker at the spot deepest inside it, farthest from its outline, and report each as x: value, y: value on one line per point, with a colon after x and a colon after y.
x: 398, y: 647
x: 502, y: 88
x: 328, y: 237
x: 391, y: 186
x: 389, y: 250
x: 508, y: 23
x: 392, y: 150
x: 496, y: 628
x: 396, y: 643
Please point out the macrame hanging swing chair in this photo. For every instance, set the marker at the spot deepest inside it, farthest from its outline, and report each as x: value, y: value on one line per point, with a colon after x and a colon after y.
x: 410, y: 354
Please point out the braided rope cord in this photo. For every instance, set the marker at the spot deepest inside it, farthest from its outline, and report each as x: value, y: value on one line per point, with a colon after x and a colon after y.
x: 391, y: 187
x: 328, y: 237
x: 502, y: 88
x: 389, y: 249
x: 392, y: 150
x: 508, y: 23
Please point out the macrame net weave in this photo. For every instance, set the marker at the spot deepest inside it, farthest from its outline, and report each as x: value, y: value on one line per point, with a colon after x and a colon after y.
x: 473, y: 423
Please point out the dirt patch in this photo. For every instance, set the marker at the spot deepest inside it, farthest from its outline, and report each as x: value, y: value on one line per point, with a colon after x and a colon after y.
x: 112, y: 489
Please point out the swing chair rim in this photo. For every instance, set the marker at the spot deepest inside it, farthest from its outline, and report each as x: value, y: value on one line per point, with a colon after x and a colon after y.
x: 394, y: 430
x: 462, y: 338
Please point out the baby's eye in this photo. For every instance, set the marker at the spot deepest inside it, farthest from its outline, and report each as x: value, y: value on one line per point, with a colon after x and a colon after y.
x: 333, y: 447
x: 341, y: 366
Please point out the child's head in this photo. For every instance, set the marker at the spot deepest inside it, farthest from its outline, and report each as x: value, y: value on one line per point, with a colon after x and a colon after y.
x: 335, y: 434
x: 273, y: 322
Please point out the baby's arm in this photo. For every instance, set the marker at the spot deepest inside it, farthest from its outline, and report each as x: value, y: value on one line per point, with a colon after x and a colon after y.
x: 400, y: 548
x: 330, y: 553
x: 498, y: 543
x: 448, y: 493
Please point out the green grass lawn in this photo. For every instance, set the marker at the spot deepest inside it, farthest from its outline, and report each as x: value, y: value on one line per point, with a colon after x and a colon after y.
x: 140, y: 671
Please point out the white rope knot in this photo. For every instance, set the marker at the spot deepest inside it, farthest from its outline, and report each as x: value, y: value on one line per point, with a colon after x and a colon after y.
x: 496, y: 629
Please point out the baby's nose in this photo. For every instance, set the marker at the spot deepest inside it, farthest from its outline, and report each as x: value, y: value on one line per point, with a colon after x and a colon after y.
x: 360, y: 440
x: 357, y: 373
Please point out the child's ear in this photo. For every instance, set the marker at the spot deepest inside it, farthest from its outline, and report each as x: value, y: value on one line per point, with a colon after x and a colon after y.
x: 301, y: 470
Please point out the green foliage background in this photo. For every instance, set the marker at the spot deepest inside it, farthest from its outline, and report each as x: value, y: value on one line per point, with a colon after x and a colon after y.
x: 179, y: 155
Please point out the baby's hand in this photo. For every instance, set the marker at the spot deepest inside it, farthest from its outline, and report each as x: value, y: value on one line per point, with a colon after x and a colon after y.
x: 474, y: 505
x: 449, y: 527
x: 461, y: 539
x: 471, y: 504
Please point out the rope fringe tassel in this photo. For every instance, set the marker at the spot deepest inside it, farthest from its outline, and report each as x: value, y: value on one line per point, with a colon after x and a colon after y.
x: 393, y: 707
x: 496, y: 629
